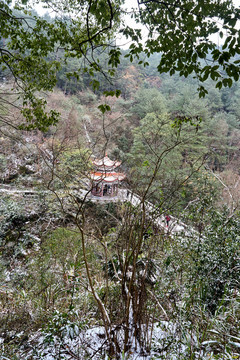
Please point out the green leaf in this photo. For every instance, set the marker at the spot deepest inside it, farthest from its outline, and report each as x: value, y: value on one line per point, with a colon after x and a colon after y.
x: 109, y: 93
x: 219, y: 85
x: 103, y: 108
x: 118, y: 93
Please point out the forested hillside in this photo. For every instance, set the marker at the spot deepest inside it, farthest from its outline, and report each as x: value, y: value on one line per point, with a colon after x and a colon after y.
x: 86, y: 279
x: 181, y: 153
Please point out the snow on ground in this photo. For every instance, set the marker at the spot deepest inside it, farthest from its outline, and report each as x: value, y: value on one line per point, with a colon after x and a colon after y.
x: 176, y: 226
x: 92, y: 344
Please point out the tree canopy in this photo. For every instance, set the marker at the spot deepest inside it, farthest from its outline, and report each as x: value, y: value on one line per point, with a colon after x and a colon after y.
x: 34, y: 48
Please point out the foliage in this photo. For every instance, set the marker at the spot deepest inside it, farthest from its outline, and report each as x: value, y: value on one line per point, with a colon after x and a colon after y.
x: 61, y: 329
x: 30, y: 44
x: 25, y: 55
x: 149, y: 101
x: 16, y: 237
x: 165, y: 289
x: 75, y: 165
x: 184, y: 38
x: 168, y: 154
x: 151, y: 291
x: 217, y: 263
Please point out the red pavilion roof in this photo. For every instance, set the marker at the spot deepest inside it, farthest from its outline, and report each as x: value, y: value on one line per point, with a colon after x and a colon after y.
x: 107, y: 177
x: 106, y: 163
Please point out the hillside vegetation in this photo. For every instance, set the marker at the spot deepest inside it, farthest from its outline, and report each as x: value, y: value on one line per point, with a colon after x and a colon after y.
x: 73, y: 271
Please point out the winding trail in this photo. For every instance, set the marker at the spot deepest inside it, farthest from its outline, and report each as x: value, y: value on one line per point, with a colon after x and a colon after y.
x: 175, y: 225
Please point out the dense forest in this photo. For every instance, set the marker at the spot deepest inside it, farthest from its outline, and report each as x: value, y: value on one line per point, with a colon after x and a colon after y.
x: 87, y: 279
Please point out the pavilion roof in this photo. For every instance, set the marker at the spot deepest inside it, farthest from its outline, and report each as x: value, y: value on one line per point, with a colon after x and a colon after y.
x: 107, y: 177
x: 106, y: 163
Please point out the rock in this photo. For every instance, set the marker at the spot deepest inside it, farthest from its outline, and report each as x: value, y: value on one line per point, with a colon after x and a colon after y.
x: 26, y: 170
x: 8, y: 179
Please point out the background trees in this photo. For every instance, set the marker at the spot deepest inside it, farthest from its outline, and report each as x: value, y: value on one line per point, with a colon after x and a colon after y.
x: 182, y: 33
x: 143, y: 277
x: 152, y: 291
x: 33, y: 49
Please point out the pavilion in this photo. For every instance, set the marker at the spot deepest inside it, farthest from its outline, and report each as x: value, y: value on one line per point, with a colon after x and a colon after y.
x: 104, y: 179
